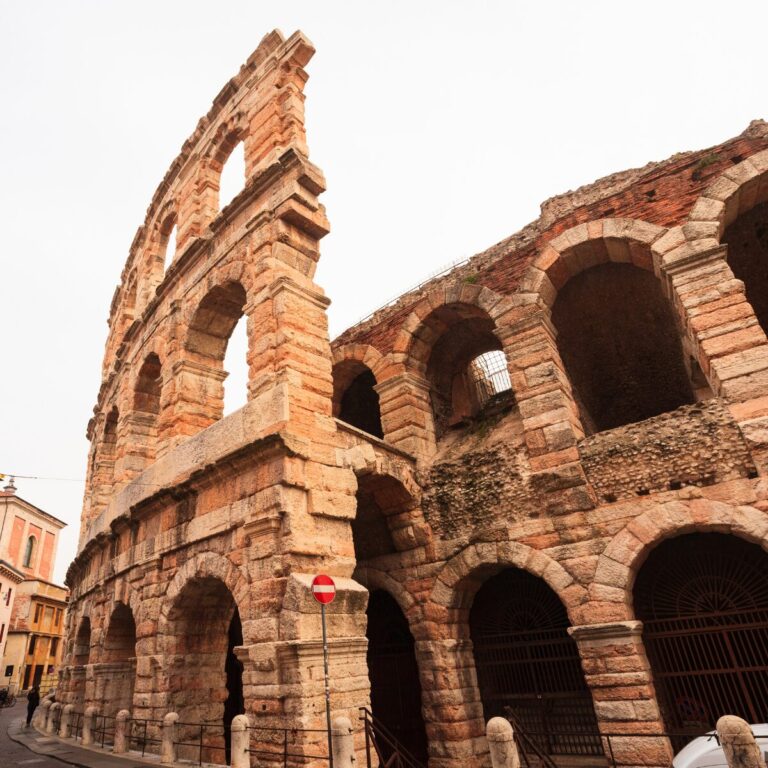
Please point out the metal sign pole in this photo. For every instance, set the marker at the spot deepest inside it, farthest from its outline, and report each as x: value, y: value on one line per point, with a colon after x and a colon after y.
x: 327, y: 688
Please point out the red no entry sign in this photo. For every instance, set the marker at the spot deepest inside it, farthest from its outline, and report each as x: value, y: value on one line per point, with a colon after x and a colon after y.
x: 323, y: 589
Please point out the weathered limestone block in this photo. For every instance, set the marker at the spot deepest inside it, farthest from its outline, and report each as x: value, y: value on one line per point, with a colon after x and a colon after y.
x: 501, y: 743
x: 168, y: 741
x: 122, y: 725
x: 343, y: 743
x: 739, y: 745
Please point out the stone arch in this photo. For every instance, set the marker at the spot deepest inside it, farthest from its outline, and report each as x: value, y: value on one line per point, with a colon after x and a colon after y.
x: 208, y: 565
x: 355, y: 400
x: 437, y: 345
x: 375, y: 578
x: 215, y: 154
x: 623, y: 241
x: 610, y: 593
x: 81, y: 648
x: 409, y: 347
x: 461, y: 577
x: 735, y: 192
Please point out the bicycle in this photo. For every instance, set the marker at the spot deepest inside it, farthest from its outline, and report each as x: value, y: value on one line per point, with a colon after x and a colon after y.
x: 7, y: 699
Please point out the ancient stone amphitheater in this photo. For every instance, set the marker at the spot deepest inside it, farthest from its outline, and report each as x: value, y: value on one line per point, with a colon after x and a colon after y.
x: 539, y: 480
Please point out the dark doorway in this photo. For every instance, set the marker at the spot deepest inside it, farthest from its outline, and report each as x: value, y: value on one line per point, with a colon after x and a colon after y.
x: 358, y: 403
x: 233, y: 668
x: 528, y: 663
x: 38, y: 675
x: 703, y: 601
x: 394, y: 675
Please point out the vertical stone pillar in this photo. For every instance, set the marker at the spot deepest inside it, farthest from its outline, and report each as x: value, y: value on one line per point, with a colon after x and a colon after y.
x: 168, y: 741
x: 550, y: 416
x: 89, y: 724
x: 41, y: 715
x: 618, y: 675
x: 122, y: 723
x: 240, y: 744
x: 66, y: 718
x: 501, y: 743
x: 343, y: 743
x: 738, y: 743
x: 50, y: 726
x: 453, y: 710
x: 722, y: 327
x: 406, y: 414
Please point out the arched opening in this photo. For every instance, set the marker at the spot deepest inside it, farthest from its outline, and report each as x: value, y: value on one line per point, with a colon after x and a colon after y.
x: 618, y: 340
x: 236, y: 368
x: 528, y: 665
x: 119, y: 656
x: 451, y: 344
x: 394, y: 674
x: 29, y: 552
x: 703, y: 601
x: 747, y: 239
x: 209, y: 334
x: 146, y: 396
x: 205, y: 677
x: 383, y: 507
x: 109, y: 439
x: 232, y: 177
x: 168, y: 241
x: 355, y: 400
x: 81, y: 653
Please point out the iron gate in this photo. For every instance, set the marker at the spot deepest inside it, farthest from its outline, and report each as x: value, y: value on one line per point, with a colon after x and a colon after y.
x: 529, y: 665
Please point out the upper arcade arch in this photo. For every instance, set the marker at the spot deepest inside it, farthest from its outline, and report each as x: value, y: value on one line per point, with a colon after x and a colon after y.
x: 610, y: 593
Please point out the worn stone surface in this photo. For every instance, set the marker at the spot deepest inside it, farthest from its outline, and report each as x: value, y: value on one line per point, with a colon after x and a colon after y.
x: 449, y: 471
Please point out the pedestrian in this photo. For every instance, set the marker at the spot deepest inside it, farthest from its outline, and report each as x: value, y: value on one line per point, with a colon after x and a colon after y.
x: 33, y: 699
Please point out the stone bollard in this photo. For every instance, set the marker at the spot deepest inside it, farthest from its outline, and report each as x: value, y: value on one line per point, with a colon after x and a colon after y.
x: 168, y: 744
x: 41, y: 715
x: 89, y: 723
x: 501, y: 742
x: 66, y: 717
x: 50, y: 726
x: 122, y: 721
x: 241, y: 742
x: 343, y: 743
x: 738, y: 743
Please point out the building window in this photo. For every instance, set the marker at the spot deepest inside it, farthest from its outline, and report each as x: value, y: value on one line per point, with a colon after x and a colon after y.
x: 58, y: 616
x: 29, y: 552
x: 38, y: 611
x: 32, y: 643
x: 54, y: 646
x: 8, y: 596
x: 2, y: 633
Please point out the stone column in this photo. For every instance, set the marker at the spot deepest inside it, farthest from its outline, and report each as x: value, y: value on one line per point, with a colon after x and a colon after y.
x: 617, y: 672
x: 738, y: 743
x: 89, y: 723
x: 66, y: 716
x: 41, y: 715
x: 240, y: 735
x: 501, y: 743
x: 168, y: 742
x: 122, y: 723
x: 50, y: 726
x: 406, y: 414
x: 724, y: 331
x: 343, y: 743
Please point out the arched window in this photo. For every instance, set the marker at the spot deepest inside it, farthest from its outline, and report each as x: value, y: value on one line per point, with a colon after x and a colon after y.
x: 747, y: 240
x: 29, y: 551
x: 355, y: 400
x: 146, y: 397
x: 236, y: 368
x: 168, y: 242
x: 620, y: 345
x: 232, y: 178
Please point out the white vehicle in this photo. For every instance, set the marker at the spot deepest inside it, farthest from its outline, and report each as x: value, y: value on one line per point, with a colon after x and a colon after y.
x: 705, y: 752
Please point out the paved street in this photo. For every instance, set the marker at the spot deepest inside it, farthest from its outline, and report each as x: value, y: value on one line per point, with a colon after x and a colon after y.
x: 16, y: 754
x: 38, y: 751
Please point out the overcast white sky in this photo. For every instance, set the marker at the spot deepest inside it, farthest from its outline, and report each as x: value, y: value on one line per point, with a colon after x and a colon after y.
x: 440, y: 126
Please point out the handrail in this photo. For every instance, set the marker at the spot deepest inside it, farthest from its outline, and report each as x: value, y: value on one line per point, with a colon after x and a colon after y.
x: 526, y: 743
x: 376, y: 733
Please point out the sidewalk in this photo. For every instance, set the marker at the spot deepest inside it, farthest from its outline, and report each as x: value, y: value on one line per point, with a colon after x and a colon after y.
x: 69, y: 752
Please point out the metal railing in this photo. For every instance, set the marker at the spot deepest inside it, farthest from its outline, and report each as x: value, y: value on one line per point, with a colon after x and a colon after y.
x: 140, y: 736
x: 288, y: 746
x: 380, y: 741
